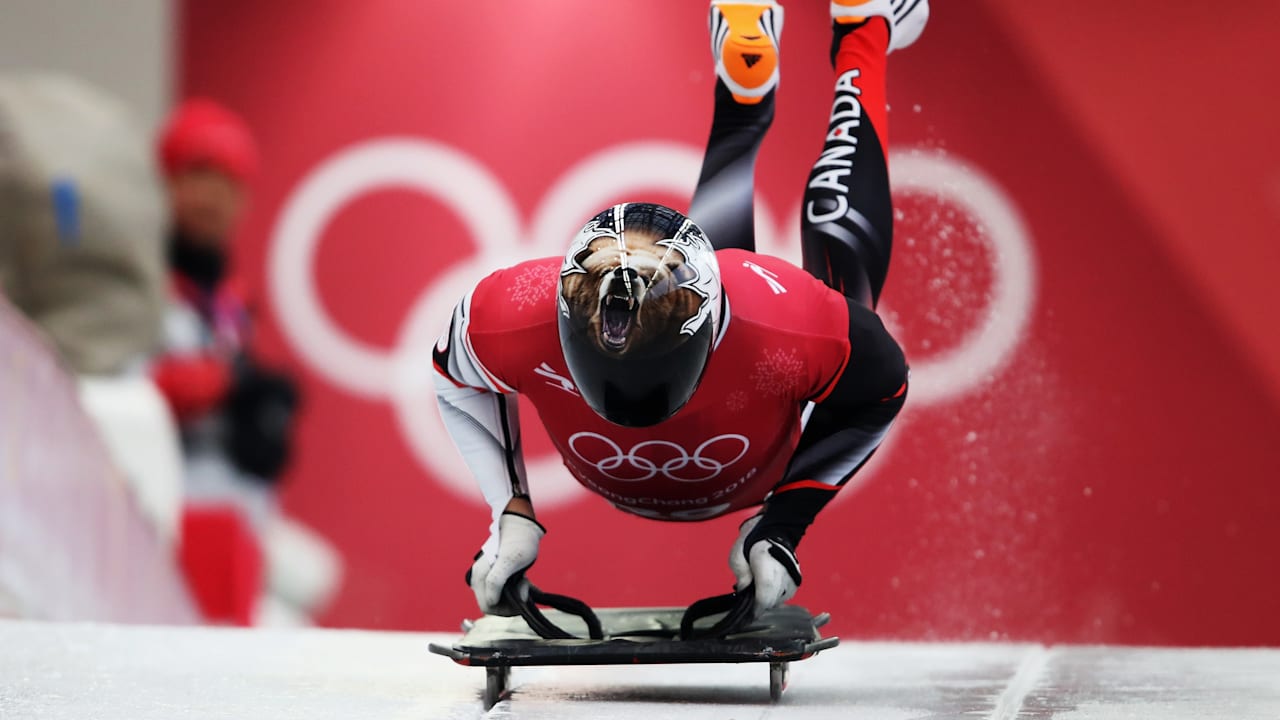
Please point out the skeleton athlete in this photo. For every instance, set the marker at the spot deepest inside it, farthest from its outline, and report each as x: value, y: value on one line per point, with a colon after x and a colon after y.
x: 680, y: 374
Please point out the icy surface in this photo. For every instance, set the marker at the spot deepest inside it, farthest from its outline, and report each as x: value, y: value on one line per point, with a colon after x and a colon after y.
x: 56, y: 671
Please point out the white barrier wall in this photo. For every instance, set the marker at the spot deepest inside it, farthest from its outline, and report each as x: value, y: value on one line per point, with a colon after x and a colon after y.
x: 73, y: 543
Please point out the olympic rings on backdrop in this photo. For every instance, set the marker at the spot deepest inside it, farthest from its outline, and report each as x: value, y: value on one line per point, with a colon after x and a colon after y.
x: 402, y: 374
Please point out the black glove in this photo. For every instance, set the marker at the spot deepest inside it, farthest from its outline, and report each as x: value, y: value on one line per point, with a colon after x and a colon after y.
x: 260, y: 410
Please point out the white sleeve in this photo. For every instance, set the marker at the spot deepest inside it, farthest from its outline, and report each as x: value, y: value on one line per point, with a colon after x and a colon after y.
x: 485, y: 426
x: 481, y: 415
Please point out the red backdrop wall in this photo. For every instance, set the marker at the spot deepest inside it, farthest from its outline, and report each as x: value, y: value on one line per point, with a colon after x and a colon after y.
x: 1088, y: 457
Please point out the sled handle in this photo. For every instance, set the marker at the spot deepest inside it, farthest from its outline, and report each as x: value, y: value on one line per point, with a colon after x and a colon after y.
x: 522, y: 595
x: 737, y: 606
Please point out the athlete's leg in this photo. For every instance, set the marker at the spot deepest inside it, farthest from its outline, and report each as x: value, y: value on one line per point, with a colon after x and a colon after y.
x: 846, y: 227
x: 847, y: 221
x: 744, y: 43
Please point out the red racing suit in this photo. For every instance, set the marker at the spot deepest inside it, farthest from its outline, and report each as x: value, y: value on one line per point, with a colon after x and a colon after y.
x: 799, y: 390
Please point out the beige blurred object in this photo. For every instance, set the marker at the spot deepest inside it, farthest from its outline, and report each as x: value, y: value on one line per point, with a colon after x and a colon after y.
x: 81, y: 221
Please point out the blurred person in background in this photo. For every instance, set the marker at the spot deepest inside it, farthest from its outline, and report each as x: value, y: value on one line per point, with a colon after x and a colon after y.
x: 247, y: 562
x: 235, y: 416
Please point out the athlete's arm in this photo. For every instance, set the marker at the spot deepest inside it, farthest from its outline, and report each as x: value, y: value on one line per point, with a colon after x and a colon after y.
x: 844, y: 429
x: 485, y: 426
x: 482, y: 417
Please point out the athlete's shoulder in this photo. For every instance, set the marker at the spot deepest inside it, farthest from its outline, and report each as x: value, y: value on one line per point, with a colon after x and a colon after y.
x: 772, y: 292
x: 502, y: 327
x: 515, y: 297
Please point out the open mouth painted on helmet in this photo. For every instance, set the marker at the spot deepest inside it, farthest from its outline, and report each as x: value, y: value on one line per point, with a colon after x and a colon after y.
x: 622, y: 292
x: 618, y: 317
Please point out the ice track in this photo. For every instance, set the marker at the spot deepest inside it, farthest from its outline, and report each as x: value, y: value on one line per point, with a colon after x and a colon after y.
x: 64, y: 671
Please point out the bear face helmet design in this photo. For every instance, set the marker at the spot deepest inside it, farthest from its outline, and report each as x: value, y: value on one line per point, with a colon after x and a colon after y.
x: 640, y: 307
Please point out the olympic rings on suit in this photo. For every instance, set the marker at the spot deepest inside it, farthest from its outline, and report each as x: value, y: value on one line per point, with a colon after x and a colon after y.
x: 672, y: 468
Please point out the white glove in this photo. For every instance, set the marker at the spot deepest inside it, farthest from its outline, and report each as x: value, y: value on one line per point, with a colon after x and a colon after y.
x: 517, y: 543
x: 768, y: 563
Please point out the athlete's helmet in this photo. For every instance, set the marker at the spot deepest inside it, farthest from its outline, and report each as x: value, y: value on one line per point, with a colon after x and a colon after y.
x: 640, y: 307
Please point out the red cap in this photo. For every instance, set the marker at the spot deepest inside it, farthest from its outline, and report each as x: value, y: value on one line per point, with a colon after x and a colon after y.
x: 202, y: 132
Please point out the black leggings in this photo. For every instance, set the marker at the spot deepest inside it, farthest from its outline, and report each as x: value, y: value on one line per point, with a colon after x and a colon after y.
x: 846, y: 226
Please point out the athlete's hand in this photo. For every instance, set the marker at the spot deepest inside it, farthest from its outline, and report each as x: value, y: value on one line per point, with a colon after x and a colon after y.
x: 768, y: 562
x: 518, y: 539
